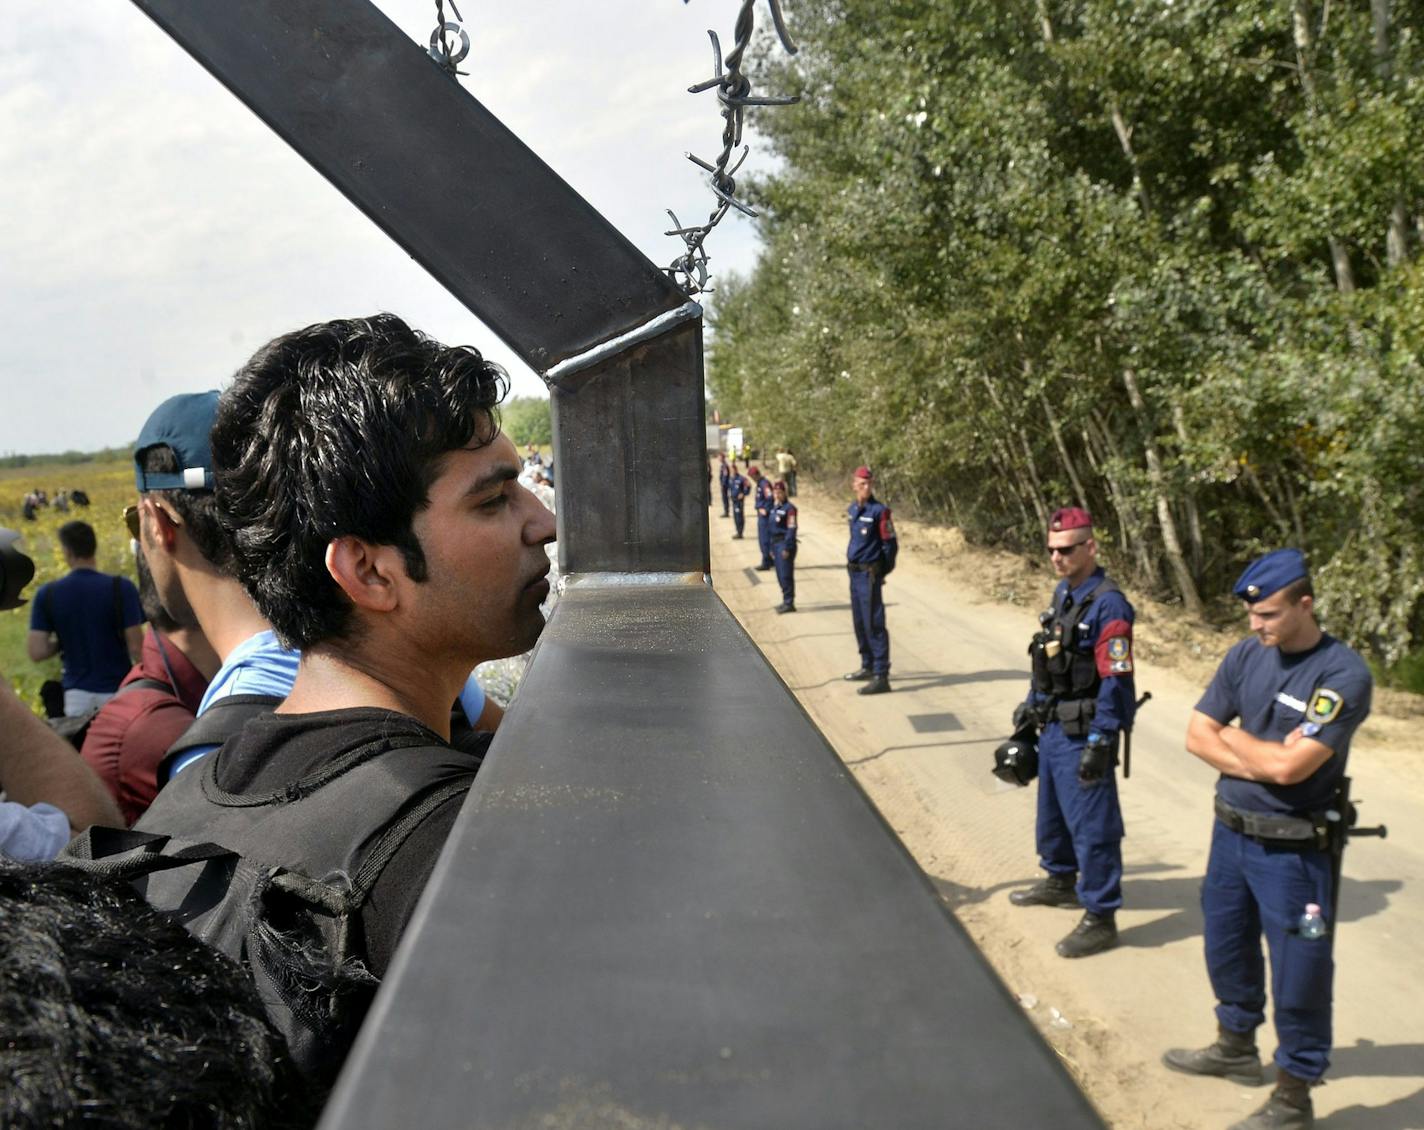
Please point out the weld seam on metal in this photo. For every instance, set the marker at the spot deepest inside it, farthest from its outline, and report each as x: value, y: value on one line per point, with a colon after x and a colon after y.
x: 688, y: 311
x: 610, y: 580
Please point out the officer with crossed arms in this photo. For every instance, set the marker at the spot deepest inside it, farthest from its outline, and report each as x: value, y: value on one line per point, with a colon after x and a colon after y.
x: 1299, y: 695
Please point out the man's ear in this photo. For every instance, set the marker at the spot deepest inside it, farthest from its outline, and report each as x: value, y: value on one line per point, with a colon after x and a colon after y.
x: 370, y: 575
x: 165, y: 525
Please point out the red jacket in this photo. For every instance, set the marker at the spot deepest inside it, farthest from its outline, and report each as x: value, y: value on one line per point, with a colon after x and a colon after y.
x: 129, y: 736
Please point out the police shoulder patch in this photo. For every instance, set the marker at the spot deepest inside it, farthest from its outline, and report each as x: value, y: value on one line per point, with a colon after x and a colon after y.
x: 1117, y: 648
x: 1325, y: 705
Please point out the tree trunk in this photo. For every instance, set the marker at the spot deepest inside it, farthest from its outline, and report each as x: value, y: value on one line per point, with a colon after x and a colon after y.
x: 1036, y: 493
x: 1080, y: 493
x: 1045, y: 25
x: 1396, y: 243
x: 1124, y: 138
x: 1300, y: 26
x: 1189, y: 500
x: 1134, y: 540
x: 1171, y: 544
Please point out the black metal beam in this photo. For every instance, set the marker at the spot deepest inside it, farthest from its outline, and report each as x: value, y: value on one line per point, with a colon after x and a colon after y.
x: 630, y: 438
x: 431, y: 166
x: 667, y: 903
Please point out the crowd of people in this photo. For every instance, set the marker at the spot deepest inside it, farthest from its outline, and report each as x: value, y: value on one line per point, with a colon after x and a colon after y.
x: 37, y: 499
x: 328, y: 549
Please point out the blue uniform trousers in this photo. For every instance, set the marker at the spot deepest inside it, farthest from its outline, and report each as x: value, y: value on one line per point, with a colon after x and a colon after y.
x: 726, y: 499
x: 867, y: 612
x: 739, y: 518
x: 1079, y: 826
x: 785, y: 568
x: 764, y: 539
x: 1252, y: 888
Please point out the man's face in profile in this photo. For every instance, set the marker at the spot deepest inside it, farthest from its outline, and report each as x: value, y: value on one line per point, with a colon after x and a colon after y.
x: 862, y: 489
x: 483, y: 535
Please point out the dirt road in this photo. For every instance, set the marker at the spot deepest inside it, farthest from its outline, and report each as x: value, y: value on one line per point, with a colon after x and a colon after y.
x: 923, y: 754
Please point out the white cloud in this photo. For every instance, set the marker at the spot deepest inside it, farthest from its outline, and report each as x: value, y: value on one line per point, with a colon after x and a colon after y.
x: 155, y: 233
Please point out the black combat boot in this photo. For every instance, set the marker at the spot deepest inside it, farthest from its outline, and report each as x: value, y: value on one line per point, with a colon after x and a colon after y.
x: 786, y: 606
x: 1288, y: 1108
x: 1093, y: 934
x: 879, y: 684
x: 1054, y: 890
x: 862, y: 676
x: 1233, y: 1056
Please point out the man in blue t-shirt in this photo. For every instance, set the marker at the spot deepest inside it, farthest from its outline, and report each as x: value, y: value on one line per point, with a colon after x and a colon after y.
x: 94, y: 621
x: 1299, y: 695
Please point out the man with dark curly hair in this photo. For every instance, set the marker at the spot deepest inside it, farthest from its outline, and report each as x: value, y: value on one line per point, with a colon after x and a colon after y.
x: 376, y: 520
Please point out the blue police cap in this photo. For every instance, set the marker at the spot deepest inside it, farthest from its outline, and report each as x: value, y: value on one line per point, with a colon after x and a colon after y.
x: 1270, y: 573
x: 181, y: 422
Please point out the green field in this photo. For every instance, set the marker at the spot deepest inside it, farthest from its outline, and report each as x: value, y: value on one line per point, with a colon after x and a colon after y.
x: 110, y: 486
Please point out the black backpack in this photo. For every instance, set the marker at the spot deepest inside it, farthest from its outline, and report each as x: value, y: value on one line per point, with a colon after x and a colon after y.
x: 278, y: 882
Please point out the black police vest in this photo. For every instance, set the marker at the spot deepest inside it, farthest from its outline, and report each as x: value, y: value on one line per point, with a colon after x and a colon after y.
x: 1060, y: 670
x: 278, y: 882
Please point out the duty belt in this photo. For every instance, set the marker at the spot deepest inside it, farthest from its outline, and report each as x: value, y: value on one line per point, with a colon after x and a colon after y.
x: 861, y: 567
x: 1272, y: 827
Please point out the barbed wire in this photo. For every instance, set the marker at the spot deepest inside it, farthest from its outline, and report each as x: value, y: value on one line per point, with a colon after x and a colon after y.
x: 734, y: 91
x: 442, y: 48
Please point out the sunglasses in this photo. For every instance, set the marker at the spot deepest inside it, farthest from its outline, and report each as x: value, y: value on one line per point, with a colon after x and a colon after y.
x: 131, y: 521
x: 1065, y: 550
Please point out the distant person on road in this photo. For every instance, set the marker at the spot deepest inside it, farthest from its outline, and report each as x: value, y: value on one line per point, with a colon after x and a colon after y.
x: 93, y: 620
x: 1299, y: 695
x: 738, y: 487
x: 724, y: 479
x: 783, y: 545
x: 1082, y: 698
x: 786, y: 470
x: 763, y: 512
x: 870, y: 558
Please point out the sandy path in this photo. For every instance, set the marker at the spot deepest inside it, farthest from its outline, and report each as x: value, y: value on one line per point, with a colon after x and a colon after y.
x: 923, y: 754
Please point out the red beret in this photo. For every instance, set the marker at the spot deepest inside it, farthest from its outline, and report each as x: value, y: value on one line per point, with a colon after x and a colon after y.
x: 1070, y: 518
x: 863, y: 473
x: 753, y: 471
x: 780, y: 484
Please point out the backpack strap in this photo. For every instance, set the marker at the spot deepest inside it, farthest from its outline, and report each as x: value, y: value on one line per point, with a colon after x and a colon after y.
x: 216, y: 724
x: 121, y: 853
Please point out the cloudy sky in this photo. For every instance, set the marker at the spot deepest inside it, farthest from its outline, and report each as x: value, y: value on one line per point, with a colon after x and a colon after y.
x: 153, y: 233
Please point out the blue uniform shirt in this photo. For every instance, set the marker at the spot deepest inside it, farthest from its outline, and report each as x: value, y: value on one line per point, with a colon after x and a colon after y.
x: 764, y: 497
x: 741, y: 487
x: 872, y: 534
x: 1103, y: 630
x: 1272, y: 693
x: 783, y: 522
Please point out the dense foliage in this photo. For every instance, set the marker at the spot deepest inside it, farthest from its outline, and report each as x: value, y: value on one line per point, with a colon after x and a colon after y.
x: 1156, y: 256
x: 526, y: 419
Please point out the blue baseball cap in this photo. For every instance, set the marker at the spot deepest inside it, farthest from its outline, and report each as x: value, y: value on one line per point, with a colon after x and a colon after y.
x: 1270, y: 573
x: 181, y: 422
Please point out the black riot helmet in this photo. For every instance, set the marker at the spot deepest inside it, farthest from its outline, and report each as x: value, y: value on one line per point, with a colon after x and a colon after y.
x: 16, y: 571
x: 1016, y: 761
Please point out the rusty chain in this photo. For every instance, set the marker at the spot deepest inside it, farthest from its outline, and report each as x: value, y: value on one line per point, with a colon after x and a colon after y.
x: 734, y: 91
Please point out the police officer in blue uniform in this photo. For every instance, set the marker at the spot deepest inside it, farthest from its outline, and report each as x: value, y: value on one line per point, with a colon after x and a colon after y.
x: 783, y: 545
x: 1081, y: 695
x: 870, y: 558
x: 738, y: 487
x: 724, y: 479
x: 1299, y: 695
x: 764, y: 502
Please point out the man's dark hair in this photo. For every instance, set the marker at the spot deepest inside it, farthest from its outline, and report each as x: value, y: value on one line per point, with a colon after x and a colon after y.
x: 339, y: 430
x: 78, y: 538
x: 114, y: 1015
x: 197, y: 509
x: 1297, y: 589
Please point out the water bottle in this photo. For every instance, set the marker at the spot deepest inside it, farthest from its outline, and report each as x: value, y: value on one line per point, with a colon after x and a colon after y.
x: 1312, y: 925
